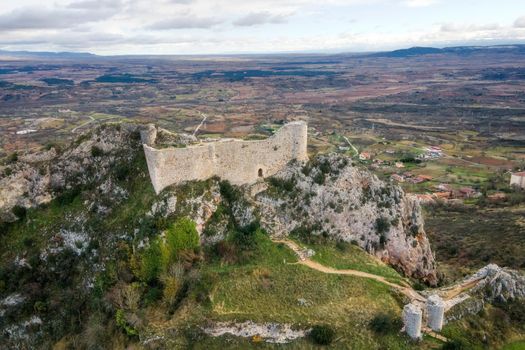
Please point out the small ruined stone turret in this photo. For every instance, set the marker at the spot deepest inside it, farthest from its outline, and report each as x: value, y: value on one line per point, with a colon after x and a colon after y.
x: 148, y: 135
x: 412, y: 316
x: 436, y: 311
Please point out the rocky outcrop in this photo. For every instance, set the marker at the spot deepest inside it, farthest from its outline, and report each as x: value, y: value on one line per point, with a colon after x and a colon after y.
x: 36, y: 178
x: 330, y: 197
x: 499, y: 284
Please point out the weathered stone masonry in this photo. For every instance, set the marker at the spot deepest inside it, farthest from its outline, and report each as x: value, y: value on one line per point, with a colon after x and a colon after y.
x: 238, y: 161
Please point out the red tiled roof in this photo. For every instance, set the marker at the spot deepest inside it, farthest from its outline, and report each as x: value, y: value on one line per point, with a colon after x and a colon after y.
x: 519, y: 174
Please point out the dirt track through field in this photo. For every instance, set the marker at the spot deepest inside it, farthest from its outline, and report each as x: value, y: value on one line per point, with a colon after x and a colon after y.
x: 447, y: 294
x: 413, y: 295
x: 303, y: 260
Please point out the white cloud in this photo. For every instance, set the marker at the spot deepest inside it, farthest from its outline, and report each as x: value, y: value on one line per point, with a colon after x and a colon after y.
x: 184, y: 22
x: 257, y: 18
x: 520, y: 22
x: 419, y: 3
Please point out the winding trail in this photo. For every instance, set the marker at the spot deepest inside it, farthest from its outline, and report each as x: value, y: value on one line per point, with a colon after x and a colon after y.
x: 305, y: 260
x: 449, y: 294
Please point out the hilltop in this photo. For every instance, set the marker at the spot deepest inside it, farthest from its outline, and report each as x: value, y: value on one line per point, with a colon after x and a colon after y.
x: 93, y: 258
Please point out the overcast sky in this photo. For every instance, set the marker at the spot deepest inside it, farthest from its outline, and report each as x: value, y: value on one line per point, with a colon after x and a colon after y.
x: 254, y: 26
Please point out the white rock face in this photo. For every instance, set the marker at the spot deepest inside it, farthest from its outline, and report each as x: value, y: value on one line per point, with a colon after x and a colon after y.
x: 412, y: 316
x: 436, y: 312
x: 270, y: 332
x: 351, y: 204
x: 499, y: 283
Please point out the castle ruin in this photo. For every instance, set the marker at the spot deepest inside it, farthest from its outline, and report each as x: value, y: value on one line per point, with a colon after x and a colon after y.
x: 238, y: 161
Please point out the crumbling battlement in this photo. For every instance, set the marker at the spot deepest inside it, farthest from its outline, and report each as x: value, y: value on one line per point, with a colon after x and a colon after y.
x: 238, y: 161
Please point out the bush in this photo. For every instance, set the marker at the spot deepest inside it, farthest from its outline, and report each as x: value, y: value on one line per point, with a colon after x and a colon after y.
x: 230, y: 193
x: 67, y: 197
x: 96, y: 151
x: 152, y: 295
x: 283, y: 185
x: 454, y: 345
x: 120, y: 319
x: 245, y: 238
x: 122, y: 171
x: 343, y: 246
x: 149, y: 263
x: 418, y: 286
x: 384, y: 324
x: 19, y: 211
x: 319, y: 178
x: 13, y: 158
x: 182, y: 235
x: 322, y: 334
x: 172, y: 287
x: 382, y: 225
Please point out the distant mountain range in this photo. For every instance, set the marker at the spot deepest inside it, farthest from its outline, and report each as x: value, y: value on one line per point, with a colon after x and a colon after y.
x: 410, y: 52
x: 44, y: 54
x: 458, y: 50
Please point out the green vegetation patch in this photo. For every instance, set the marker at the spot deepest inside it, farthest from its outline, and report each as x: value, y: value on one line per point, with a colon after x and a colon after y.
x: 344, y: 255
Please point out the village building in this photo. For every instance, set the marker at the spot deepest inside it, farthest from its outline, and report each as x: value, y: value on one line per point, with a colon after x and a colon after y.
x: 365, y: 156
x: 400, y: 165
x: 518, y: 179
x: 467, y: 192
x: 398, y: 178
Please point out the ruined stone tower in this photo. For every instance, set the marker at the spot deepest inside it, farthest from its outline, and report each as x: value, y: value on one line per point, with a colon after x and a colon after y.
x: 238, y: 161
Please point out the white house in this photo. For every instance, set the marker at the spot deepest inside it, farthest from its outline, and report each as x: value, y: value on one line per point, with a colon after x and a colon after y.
x: 518, y: 179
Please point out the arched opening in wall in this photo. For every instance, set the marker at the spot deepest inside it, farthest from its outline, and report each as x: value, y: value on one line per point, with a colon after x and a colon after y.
x: 260, y: 173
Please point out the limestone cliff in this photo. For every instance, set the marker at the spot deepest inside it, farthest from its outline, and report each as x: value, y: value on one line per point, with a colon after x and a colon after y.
x: 331, y: 197
x: 36, y: 178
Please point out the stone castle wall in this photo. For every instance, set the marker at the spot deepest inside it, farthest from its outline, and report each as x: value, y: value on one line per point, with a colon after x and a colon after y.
x: 238, y: 161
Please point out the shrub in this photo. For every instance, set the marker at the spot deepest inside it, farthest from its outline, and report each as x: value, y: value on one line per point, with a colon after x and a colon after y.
x: 322, y: 334
x: 384, y: 324
x: 228, y: 191
x: 96, y: 151
x: 225, y: 251
x: 283, y: 185
x: 147, y: 266
x: 418, y: 286
x: 8, y: 172
x: 120, y: 319
x: 319, y: 178
x: 382, y: 241
x: 245, y: 238
x: 454, y: 345
x: 19, y: 211
x: 382, y: 225
x: 122, y: 171
x: 172, y: 286
x: 343, y: 246
x: 67, y: 197
x: 152, y: 295
x: 182, y: 235
x: 13, y: 158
